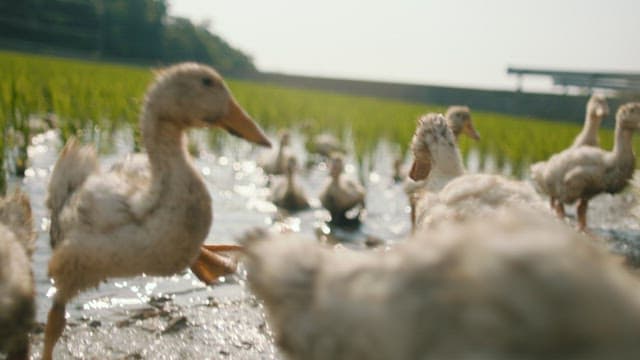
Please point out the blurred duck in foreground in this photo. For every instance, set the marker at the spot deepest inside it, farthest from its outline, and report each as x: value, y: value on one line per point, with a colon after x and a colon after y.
x: 17, y: 290
x: 517, y: 286
x: 446, y: 191
x: 150, y: 214
x: 341, y: 196
x: 597, y: 109
x: 580, y: 173
x: 286, y: 193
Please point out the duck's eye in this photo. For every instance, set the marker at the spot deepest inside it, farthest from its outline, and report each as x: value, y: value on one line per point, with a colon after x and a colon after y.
x: 207, y: 82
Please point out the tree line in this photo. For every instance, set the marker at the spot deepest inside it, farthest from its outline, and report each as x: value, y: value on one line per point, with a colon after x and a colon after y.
x: 139, y: 30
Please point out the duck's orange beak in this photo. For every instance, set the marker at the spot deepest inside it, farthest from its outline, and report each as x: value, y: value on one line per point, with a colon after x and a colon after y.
x: 238, y: 123
x: 471, y: 131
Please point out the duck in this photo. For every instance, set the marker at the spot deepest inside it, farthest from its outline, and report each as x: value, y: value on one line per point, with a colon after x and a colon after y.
x: 460, y: 121
x: 17, y: 289
x: 447, y: 191
x: 150, y: 214
x: 326, y: 144
x: 518, y: 285
x: 286, y: 193
x: 580, y: 173
x: 597, y: 109
x: 341, y: 195
x: 275, y: 163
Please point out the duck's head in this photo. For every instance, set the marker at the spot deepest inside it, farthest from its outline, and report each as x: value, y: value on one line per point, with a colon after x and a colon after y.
x: 285, y: 138
x: 597, y: 107
x: 336, y: 166
x: 195, y: 95
x: 628, y: 116
x: 433, y: 145
x: 459, y: 120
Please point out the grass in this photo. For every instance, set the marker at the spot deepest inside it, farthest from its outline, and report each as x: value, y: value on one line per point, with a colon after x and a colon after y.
x: 94, y: 99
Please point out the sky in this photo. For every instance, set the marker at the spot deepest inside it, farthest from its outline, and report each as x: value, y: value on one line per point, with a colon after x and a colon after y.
x: 441, y: 42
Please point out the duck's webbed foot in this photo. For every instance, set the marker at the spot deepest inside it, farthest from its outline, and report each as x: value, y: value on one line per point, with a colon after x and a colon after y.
x: 210, y: 265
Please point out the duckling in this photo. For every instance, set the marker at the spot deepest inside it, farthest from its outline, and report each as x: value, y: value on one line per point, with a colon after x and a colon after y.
x: 515, y: 286
x: 17, y: 289
x: 447, y: 192
x: 597, y: 109
x: 342, y: 194
x: 276, y: 163
x: 580, y: 173
x: 149, y: 215
x: 286, y: 193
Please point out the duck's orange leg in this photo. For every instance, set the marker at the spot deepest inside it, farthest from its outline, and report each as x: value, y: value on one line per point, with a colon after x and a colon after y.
x: 210, y: 265
x: 559, y: 207
x: 53, y: 330
x: 583, y: 205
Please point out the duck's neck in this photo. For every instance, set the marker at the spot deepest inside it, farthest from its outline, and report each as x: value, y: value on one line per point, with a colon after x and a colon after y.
x: 446, y: 163
x: 290, y: 179
x: 448, y: 172
x: 589, y: 133
x: 165, y: 143
x: 335, y: 179
x: 623, y: 148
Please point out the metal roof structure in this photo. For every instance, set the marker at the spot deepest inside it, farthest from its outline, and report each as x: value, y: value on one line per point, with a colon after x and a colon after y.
x: 618, y: 81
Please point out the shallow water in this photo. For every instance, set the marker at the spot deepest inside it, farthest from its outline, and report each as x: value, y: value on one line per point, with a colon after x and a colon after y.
x: 239, y: 189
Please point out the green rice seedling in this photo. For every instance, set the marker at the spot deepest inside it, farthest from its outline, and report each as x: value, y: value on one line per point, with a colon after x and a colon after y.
x: 95, y: 100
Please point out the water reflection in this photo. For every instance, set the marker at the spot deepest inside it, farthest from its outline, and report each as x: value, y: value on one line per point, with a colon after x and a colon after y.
x: 239, y: 190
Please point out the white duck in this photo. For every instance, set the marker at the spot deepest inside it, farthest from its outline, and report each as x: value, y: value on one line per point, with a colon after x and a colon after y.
x: 449, y: 192
x: 150, y: 216
x: 17, y: 289
x: 578, y: 174
x: 286, y: 193
x: 341, y: 194
x: 516, y: 286
x: 597, y: 109
x: 460, y: 122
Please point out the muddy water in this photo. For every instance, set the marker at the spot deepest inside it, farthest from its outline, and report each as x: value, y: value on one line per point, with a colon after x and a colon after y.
x: 178, y: 317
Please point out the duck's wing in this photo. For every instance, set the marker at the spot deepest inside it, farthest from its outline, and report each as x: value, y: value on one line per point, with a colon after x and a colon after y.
x: 15, y: 213
x: 122, y: 196
x: 75, y: 164
x: 586, y: 178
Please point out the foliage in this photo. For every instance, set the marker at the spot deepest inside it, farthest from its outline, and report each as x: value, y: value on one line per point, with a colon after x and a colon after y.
x: 138, y: 30
x: 95, y: 99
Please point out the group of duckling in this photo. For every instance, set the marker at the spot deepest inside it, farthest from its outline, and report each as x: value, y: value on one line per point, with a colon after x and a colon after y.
x: 487, y: 273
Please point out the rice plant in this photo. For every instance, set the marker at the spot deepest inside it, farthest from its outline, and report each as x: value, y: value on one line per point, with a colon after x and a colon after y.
x: 93, y: 100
